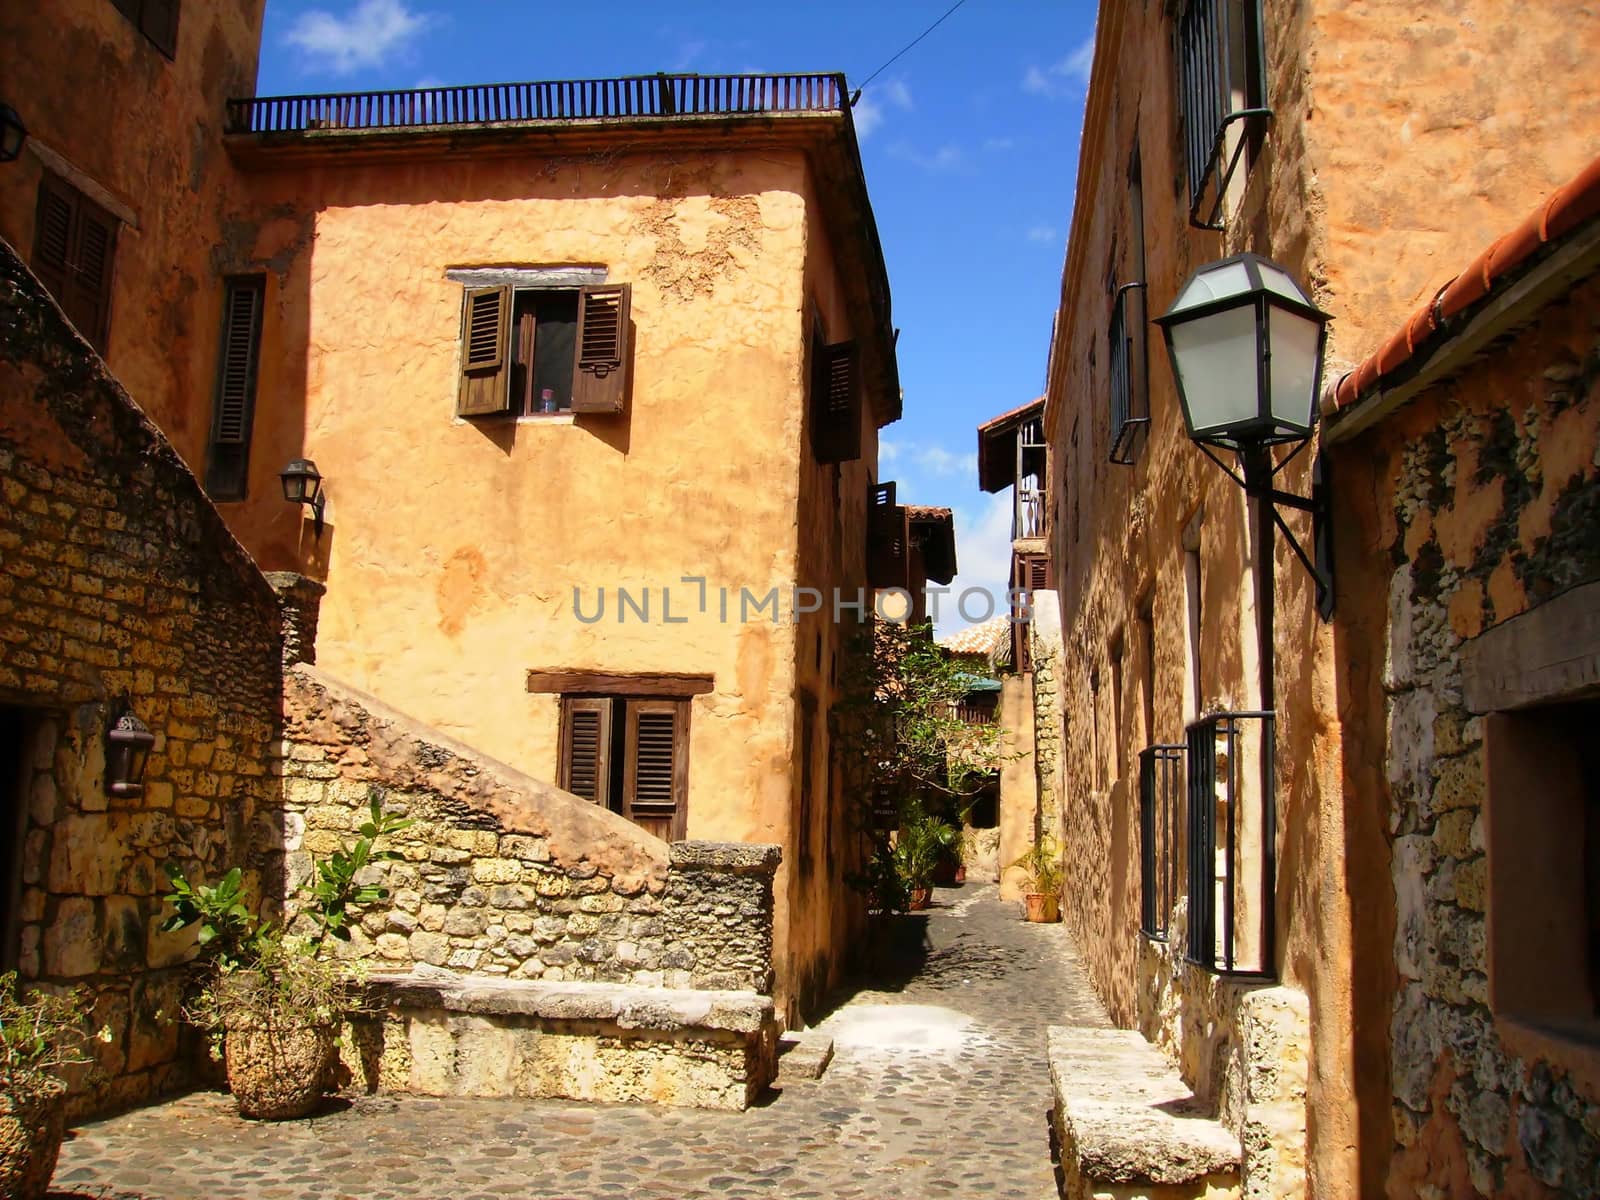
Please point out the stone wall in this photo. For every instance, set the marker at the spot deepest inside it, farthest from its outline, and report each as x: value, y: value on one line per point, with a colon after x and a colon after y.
x: 502, y: 875
x: 118, y: 582
x: 1488, y: 487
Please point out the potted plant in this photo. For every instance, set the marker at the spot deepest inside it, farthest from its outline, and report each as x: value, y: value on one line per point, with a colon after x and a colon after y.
x: 1042, y: 879
x: 271, y: 1003
x: 923, y: 840
x: 40, y: 1033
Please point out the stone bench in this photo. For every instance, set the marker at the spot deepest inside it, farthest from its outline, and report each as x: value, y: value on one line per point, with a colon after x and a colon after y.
x: 1128, y: 1127
x: 438, y: 1034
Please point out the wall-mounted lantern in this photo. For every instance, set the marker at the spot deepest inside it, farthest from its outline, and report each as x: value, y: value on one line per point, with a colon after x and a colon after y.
x: 12, y: 133
x: 1246, y: 346
x: 128, y: 743
x: 302, y: 484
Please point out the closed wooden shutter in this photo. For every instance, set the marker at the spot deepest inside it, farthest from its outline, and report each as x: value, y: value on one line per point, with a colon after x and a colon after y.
x: 836, y: 404
x: 236, y: 373
x: 52, y: 236
x: 158, y: 20
x: 1039, y: 573
x: 655, y: 771
x: 485, y: 389
x: 888, y: 540
x: 585, y: 754
x: 600, y: 374
x: 74, y: 242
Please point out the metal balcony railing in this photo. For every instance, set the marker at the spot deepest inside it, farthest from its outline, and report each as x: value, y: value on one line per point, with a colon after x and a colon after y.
x: 631, y: 97
x: 1232, y: 859
x: 1222, y: 85
x: 1160, y: 806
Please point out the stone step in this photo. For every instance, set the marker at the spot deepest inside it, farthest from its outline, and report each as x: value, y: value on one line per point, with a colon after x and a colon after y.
x: 1128, y: 1126
x: 803, y: 1054
x: 441, y: 1034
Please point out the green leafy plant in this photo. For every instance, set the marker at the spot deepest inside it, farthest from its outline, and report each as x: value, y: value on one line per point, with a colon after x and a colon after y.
x: 920, y: 844
x: 41, y: 1033
x: 228, y: 935
x: 1042, y: 866
x: 336, y: 888
x: 288, y: 986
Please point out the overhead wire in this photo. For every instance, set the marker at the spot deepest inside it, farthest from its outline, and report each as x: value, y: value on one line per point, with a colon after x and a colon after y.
x: 856, y: 95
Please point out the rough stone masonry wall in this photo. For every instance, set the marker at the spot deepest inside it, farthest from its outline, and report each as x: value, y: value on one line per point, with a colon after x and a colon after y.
x: 1495, y: 505
x: 118, y: 579
x: 502, y: 875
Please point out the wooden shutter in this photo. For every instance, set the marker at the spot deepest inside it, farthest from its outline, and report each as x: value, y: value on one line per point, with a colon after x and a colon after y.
x: 655, y: 772
x: 236, y: 373
x: 888, y: 540
x: 485, y: 389
x: 90, y: 290
x: 600, y: 374
x: 1039, y: 573
x: 52, y: 236
x: 158, y: 20
x: 585, y: 754
x: 836, y: 404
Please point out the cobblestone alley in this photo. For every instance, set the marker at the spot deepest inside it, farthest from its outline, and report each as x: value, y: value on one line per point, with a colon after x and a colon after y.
x: 938, y: 1087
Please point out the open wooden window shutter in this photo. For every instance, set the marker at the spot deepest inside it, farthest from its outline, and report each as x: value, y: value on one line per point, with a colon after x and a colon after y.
x: 158, y: 21
x: 600, y: 375
x: 484, y: 387
x: 835, y: 404
x: 236, y: 377
x: 888, y: 540
x: 52, y: 236
x: 585, y: 766
x: 655, y: 774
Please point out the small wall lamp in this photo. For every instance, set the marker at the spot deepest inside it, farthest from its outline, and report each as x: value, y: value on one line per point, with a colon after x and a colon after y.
x: 128, y: 743
x: 302, y: 484
x: 12, y: 133
x: 1246, y: 345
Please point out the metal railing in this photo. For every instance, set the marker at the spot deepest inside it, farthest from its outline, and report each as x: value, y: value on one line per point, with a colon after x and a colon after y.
x: 1221, y: 749
x: 634, y: 96
x: 1128, y: 411
x: 1160, y: 803
x: 1221, y: 84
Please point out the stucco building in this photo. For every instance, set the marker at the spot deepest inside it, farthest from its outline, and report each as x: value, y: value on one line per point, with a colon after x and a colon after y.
x: 591, y: 374
x: 1363, y: 148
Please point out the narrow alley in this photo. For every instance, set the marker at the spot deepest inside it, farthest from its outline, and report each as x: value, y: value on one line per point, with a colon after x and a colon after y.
x: 938, y: 1087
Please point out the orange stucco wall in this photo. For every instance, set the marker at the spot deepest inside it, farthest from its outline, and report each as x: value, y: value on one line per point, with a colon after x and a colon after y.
x: 453, y: 549
x: 141, y: 134
x: 1398, y: 147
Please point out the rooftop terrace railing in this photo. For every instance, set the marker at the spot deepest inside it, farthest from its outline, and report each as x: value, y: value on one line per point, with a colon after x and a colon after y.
x: 629, y: 97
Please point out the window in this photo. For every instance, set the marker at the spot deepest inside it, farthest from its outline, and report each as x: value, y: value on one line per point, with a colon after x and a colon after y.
x: 233, y: 410
x: 156, y: 19
x: 888, y: 539
x: 1130, y: 396
x: 1030, y: 573
x: 74, y: 241
x: 835, y: 401
x: 544, y: 350
x: 629, y: 754
x: 1222, y: 93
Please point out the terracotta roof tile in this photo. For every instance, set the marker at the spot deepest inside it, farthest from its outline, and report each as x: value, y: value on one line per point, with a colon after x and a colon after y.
x: 1569, y: 207
x: 978, y: 639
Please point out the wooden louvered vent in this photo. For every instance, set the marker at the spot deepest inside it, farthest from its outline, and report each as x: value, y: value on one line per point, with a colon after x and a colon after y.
x: 600, y: 382
x: 236, y: 383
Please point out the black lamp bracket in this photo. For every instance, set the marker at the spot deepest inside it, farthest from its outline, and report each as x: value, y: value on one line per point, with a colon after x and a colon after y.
x: 317, y: 505
x: 1256, y: 480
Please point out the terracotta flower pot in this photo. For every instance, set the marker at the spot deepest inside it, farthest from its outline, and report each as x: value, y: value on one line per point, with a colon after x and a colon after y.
x: 276, y: 1074
x: 919, y: 899
x: 32, y: 1123
x: 1042, y: 907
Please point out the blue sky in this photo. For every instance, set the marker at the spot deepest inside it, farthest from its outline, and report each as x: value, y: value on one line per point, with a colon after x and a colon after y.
x: 970, y: 144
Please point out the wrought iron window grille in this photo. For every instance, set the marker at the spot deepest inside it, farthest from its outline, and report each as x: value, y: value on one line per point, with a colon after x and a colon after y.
x: 1129, y: 413
x: 1160, y: 808
x: 1243, y: 946
x: 1222, y: 85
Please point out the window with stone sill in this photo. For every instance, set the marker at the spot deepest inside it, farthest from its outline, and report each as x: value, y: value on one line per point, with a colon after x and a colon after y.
x: 1222, y: 100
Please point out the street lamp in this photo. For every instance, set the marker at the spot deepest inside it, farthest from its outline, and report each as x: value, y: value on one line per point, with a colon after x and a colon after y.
x: 302, y: 484
x: 1246, y: 346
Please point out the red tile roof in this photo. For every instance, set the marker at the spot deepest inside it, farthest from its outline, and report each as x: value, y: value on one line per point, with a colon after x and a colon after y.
x: 1569, y: 207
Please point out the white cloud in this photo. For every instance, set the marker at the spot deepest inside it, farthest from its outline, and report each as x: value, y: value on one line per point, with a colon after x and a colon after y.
x: 936, y: 460
x: 1041, y: 233
x: 996, y: 145
x: 1070, y: 74
x: 888, y: 451
x: 875, y: 103
x: 948, y: 157
x: 369, y: 35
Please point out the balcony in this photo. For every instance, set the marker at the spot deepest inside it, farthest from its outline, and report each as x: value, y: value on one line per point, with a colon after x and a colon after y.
x: 1012, y: 454
x: 629, y: 98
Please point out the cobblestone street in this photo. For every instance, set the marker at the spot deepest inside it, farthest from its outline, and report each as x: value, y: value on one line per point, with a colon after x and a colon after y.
x: 938, y: 1087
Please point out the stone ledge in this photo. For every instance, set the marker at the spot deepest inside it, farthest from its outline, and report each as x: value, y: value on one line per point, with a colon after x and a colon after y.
x: 667, y: 1010
x: 736, y: 858
x: 1125, y: 1117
